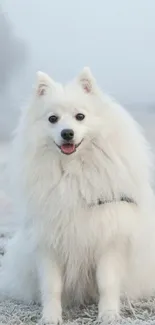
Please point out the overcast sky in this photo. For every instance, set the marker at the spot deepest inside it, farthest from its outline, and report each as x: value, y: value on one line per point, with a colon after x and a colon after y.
x: 116, y: 38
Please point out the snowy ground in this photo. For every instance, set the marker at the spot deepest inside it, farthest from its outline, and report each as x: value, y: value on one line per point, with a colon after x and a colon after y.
x: 15, y: 313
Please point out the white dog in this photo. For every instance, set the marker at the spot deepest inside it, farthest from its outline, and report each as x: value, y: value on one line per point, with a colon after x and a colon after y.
x: 81, y: 172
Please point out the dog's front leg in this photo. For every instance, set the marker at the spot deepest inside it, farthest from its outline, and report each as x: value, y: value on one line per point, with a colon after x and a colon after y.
x: 109, y: 275
x: 51, y: 287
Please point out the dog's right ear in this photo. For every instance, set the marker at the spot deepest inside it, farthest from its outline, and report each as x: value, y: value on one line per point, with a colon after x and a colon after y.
x: 44, y: 82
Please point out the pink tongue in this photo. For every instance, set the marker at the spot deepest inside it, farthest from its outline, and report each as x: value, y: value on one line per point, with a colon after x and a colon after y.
x: 68, y: 148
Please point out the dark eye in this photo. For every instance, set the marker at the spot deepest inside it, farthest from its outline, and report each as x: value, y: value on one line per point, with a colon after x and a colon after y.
x: 53, y: 119
x: 79, y: 116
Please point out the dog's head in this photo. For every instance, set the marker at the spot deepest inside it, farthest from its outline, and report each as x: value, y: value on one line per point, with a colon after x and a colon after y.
x: 68, y: 117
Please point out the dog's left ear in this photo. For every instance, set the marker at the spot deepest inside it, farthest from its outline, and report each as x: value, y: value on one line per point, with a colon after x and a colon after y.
x: 87, y: 81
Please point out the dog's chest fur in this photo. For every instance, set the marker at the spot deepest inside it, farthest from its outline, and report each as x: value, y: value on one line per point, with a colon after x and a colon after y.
x: 70, y: 210
x: 69, y: 193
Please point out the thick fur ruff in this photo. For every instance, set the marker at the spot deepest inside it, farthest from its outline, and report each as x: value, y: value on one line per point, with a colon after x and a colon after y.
x: 68, y: 246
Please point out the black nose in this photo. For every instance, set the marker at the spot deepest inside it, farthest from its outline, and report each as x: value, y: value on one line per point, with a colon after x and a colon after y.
x: 67, y: 134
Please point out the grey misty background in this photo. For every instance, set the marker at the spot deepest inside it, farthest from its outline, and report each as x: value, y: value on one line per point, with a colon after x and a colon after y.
x: 115, y: 38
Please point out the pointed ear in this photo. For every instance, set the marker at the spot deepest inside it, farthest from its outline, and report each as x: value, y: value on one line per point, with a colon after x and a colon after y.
x: 87, y: 81
x: 44, y: 82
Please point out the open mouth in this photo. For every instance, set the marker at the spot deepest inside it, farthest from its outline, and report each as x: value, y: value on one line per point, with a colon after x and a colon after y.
x: 69, y: 148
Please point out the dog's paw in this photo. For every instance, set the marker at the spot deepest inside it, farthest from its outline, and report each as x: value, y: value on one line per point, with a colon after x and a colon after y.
x: 108, y: 317
x: 50, y: 321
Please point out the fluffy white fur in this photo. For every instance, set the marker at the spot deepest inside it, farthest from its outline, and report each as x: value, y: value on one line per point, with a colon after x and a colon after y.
x: 69, y: 249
